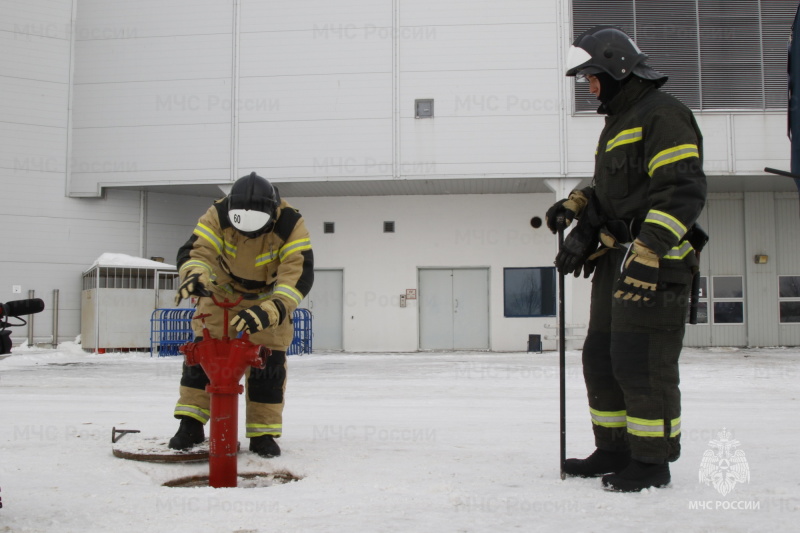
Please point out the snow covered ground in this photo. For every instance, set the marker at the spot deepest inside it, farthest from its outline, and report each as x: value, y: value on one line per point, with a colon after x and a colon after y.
x: 418, y: 442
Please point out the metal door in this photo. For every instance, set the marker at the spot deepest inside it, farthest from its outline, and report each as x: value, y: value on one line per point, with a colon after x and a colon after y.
x: 326, y: 303
x: 454, y: 309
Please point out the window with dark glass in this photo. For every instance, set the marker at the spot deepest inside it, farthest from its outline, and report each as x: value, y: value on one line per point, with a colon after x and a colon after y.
x: 529, y: 292
x: 789, y: 299
x: 728, y: 296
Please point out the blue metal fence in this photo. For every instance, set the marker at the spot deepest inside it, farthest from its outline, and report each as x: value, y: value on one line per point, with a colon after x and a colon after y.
x: 169, y: 330
x: 301, y: 343
x: 172, y: 328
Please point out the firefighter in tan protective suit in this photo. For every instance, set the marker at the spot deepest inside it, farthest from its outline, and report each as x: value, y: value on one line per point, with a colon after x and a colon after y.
x: 251, y: 244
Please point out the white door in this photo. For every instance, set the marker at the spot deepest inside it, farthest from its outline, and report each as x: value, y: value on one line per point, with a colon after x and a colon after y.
x: 326, y: 303
x: 454, y: 309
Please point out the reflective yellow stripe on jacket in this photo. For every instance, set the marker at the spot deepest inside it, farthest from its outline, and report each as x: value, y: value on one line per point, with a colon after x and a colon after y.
x: 666, y: 220
x: 671, y: 155
x: 293, y: 247
x: 625, y: 137
x: 208, y: 234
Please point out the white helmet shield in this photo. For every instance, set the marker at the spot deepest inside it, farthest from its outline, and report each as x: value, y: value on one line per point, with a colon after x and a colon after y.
x: 247, y: 220
x: 576, y: 57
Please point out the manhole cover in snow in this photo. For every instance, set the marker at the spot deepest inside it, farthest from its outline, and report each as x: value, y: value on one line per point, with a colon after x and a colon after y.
x: 252, y: 480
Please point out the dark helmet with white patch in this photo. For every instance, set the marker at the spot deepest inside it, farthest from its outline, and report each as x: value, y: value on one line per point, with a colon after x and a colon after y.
x: 253, y: 205
x: 610, y: 50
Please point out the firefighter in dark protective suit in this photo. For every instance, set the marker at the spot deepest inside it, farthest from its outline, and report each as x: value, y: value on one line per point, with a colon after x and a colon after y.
x: 252, y: 244
x: 634, y: 233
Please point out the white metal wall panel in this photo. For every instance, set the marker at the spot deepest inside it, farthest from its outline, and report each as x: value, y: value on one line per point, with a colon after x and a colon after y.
x: 523, y: 92
x: 125, y: 155
x: 487, y: 145
x: 761, y: 281
x: 717, y: 156
x: 156, y: 103
x: 116, y: 19
x: 760, y: 140
x: 315, y: 90
x: 153, y: 98
x: 582, y: 133
x: 787, y: 254
x: 315, y: 97
x: 347, y: 18
x: 293, y: 53
x: 36, y: 18
x: 309, y: 149
x: 418, y: 13
x: 480, y: 47
x: 726, y: 255
x: 33, y: 148
x: 184, y: 57
x: 35, y: 102
x: 34, y: 57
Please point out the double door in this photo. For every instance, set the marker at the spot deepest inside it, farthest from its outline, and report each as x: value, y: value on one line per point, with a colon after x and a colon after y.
x: 454, y: 309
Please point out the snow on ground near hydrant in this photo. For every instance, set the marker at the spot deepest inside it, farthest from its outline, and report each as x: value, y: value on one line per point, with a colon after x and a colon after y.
x: 415, y: 442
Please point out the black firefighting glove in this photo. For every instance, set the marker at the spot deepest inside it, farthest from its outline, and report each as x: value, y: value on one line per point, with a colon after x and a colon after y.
x: 561, y: 213
x: 591, y: 263
x: 193, y: 285
x: 259, y: 317
x: 639, y: 274
x: 576, y: 249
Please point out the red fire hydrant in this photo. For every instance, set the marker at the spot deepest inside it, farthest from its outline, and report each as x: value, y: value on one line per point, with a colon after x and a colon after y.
x: 225, y: 362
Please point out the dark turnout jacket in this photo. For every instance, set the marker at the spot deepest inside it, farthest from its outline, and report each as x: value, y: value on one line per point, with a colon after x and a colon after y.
x: 649, y: 170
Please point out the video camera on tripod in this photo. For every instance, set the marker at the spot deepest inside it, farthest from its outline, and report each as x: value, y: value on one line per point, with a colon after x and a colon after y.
x: 16, y: 309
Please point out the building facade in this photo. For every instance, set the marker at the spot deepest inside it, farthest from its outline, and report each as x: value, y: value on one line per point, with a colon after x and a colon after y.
x: 420, y: 140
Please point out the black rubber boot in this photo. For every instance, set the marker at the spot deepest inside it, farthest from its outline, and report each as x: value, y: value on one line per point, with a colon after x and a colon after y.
x: 638, y: 476
x: 599, y: 463
x: 265, y: 446
x: 189, y: 433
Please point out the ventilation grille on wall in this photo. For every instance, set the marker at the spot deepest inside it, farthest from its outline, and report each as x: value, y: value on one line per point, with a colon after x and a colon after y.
x: 719, y: 55
x: 388, y: 227
x: 327, y: 227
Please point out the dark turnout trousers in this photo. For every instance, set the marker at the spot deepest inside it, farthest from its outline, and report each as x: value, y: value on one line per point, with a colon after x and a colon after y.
x: 630, y: 366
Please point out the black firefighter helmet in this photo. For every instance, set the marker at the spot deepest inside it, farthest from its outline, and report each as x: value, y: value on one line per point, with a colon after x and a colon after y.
x: 610, y: 50
x: 253, y: 205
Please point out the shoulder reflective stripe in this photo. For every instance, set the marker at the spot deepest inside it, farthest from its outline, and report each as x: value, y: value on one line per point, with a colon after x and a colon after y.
x: 679, y: 252
x: 668, y: 221
x: 291, y: 292
x: 230, y: 249
x: 196, y: 263
x: 204, y: 231
x: 295, y: 246
x: 609, y: 419
x: 201, y: 415
x: 642, y: 427
x: 625, y: 137
x: 263, y: 259
x: 670, y: 155
x: 675, y: 427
